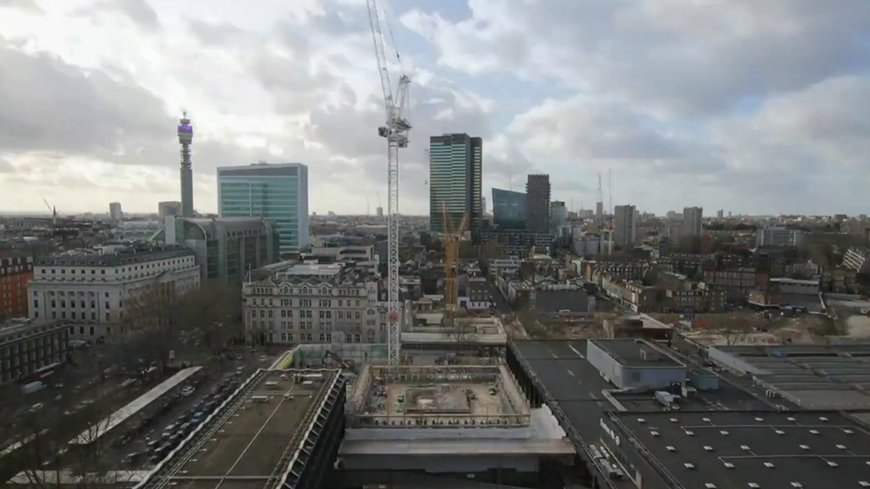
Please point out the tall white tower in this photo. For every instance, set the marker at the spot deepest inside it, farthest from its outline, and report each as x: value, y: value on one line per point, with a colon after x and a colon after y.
x: 185, y: 138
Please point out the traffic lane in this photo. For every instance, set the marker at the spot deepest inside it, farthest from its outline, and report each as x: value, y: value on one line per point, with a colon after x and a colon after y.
x: 214, y: 375
x: 501, y: 303
x: 559, y: 349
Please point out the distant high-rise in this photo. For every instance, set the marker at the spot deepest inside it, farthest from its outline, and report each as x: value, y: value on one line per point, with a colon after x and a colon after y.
x: 720, y: 214
x: 380, y: 211
x: 692, y: 222
x: 455, y: 176
x: 168, y: 208
x: 558, y: 216
x: 185, y: 138
x: 275, y: 192
x: 599, y: 212
x: 508, y: 209
x: 115, y: 212
x: 538, y: 203
x: 624, y: 225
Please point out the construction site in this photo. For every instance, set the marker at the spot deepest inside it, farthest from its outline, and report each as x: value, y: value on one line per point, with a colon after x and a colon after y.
x: 468, y: 420
x: 435, y: 396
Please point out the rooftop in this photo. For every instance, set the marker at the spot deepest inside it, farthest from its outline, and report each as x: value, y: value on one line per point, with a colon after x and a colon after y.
x: 437, y: 397
x: 636, y: 353
x: 734, y: 449
x: 253, y: 435
x: 16, y: 328
x: 127, y: 256
x: 811, y: 376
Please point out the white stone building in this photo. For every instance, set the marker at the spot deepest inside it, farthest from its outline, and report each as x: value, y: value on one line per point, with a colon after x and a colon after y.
x: 91, y: 291
x: 315, y: 303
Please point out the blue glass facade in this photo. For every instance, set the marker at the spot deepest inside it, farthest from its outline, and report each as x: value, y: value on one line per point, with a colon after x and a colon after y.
x: 508, y: 209
x: 275, y: 192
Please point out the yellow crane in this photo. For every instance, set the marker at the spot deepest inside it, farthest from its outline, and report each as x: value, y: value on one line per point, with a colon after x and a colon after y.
x: 451, y: 263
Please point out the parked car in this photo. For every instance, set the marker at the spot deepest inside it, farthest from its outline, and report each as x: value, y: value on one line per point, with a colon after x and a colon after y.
x: 187, y: 391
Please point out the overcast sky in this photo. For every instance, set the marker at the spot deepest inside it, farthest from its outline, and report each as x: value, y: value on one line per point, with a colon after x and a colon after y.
x: 755, y: 106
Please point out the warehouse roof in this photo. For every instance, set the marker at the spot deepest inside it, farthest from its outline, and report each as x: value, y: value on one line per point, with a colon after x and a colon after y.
x: 734, y: 449
x: 636, y: 353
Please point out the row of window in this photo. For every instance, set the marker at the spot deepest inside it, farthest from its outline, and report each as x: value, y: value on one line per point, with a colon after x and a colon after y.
x: 306, y: 291
x: 305, y: 302
x: 72, y: 304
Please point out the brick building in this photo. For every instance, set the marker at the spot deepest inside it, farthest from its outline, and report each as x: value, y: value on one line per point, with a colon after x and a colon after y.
x: 16, y: 271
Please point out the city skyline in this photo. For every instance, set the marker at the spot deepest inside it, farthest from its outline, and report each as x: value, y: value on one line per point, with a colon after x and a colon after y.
x: 731, y: 129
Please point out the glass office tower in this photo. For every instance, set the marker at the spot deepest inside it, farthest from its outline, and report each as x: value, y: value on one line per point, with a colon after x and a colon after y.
x: 276, y: 192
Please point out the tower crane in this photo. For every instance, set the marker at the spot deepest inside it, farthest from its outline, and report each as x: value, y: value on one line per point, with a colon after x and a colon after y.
x: 395, y: 130
x: 451, y: 264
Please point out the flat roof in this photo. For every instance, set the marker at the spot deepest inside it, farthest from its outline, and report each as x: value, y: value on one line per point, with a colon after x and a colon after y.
x: 99, y: 429
x: 247, y: 438
x: 633, y: 352
x: 768, y: 448
x: 811, y: 376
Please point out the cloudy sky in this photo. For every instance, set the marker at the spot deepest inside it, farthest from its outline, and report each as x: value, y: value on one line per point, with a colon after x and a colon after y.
x: 748, y: 106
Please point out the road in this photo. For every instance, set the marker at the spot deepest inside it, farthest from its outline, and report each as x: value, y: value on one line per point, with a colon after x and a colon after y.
x: 572, y: 382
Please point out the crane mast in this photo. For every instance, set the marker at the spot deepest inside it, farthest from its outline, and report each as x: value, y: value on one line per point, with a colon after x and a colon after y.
x: 395, y: 130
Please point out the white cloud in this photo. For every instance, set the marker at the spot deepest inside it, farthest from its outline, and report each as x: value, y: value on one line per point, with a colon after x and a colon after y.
x: 748, y: 106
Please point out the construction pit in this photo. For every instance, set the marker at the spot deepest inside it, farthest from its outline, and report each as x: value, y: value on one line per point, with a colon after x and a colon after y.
x: 437, y: 396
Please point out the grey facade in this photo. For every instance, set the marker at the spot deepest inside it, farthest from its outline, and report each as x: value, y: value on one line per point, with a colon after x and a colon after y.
x: 634, y: 363
x: 508, y: 209
x: 538, y: 203
x: 28, y: 345
x: 226, y: 249
x: 692, y: 221
x: 455, y: 182
x: 624, y: 227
